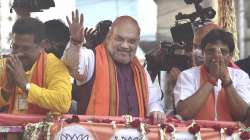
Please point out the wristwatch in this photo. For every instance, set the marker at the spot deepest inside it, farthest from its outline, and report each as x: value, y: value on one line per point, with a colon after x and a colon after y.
x: 27, y: 87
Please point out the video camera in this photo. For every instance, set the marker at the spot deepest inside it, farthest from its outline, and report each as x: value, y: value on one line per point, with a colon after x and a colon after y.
x: 178, y: 53
x: 187, y: 24
x: 170, y: 54
x: 33, y: 5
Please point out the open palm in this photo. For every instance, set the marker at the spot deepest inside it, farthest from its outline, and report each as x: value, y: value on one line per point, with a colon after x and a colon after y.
x: 76, y: 26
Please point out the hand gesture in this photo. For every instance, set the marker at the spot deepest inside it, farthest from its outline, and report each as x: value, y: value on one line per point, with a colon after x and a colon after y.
x: 218, y: 70
x: 223, y: 71
x: 76, y: 26
x: 16, y: 70
x: 90, y: 37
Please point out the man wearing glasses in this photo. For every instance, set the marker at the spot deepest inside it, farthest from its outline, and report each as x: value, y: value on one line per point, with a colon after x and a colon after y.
x: 213, y: 91
x: 31, y: 81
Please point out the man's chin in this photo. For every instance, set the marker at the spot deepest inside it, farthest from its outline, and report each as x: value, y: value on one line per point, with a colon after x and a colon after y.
x: 122, y: 61
x: 212, y: 64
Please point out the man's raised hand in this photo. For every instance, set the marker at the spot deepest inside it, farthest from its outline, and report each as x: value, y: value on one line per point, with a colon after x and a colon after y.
x: 76, y: 27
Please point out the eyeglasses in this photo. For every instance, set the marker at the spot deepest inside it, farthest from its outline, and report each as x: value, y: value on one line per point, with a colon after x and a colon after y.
x: 22, y: 48
x: 211, y: 51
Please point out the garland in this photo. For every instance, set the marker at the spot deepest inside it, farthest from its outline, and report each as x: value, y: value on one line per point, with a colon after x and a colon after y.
x: 41, y: 130
x: 167, y: 131
x: 38, y: 131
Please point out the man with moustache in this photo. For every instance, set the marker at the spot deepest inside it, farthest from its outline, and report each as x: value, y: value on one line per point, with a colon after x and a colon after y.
x: 115, y: 80
x: 213, y: 91
x: 31, y: 81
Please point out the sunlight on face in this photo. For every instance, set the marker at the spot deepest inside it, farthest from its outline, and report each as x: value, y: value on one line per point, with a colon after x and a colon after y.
x: 123, y: 42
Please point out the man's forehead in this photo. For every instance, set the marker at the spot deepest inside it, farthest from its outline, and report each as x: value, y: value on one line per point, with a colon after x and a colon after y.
x: 23, y: 39
x: 125, y: 21
x: 217, y: 45
x: 129, y: 29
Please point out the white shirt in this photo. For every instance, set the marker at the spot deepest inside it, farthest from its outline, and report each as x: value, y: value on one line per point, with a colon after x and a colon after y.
x: 81, y: 63
x: 189, y: 82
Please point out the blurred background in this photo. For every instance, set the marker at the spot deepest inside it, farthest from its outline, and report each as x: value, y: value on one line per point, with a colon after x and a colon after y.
x: 155, y: 17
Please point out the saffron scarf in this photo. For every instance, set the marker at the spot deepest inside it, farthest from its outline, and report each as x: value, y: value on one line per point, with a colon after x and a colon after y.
x: 104, y: 98
x: 38, y: 78
x: 208, y: 112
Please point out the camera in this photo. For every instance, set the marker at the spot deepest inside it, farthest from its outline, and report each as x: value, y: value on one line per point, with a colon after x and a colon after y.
x: 33, y: 5
x: 170, y: 54
x: 187, y: 24
x: 178, y: 53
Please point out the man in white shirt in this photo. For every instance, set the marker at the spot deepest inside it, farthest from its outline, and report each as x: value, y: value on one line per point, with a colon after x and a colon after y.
x: 115, y: 80
x: 213, y: 91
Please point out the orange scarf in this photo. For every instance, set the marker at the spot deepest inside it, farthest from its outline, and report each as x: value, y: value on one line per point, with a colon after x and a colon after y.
x: 38, y: 78
x: 104, y: 98
x: 207, y: 112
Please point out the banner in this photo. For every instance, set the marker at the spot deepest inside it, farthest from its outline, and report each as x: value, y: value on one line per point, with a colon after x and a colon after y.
x: 68, y: 127
x: 94, y: 131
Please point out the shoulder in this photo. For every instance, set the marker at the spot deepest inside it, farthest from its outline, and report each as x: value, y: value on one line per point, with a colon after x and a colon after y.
x: 191, y: 72
x: 54, y: 63
x: 51, y: 58
x: 189, y: 77
x: 238, y: 74
x: 236, y: 70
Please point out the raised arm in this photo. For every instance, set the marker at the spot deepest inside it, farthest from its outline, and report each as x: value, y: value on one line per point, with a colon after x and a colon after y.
x: 79, y: 60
